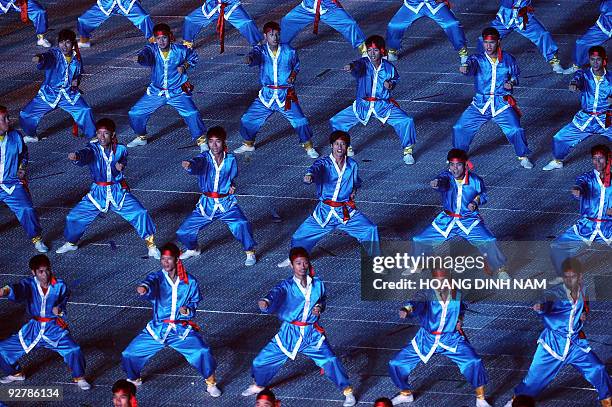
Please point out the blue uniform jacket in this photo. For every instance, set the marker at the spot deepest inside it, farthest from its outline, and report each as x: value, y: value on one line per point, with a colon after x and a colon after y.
x: 562, y: 325
x: 370, y: 84
x: 310, y: 5
x: 107, y: 6
x: 456, y: 196
x: 335, y: 184
x: 595, y: 200
x: 167, y: 298
x: 489, y: 79
x: 214, y: 178
x: 275, y: 70
x: 40, y: 304
x: 165, y: 80
x: 6, y: 5
x: 210, y: 7
x: 594, y: 97
x: 102, y: 168
x: 509, y: 10
x: 290, y: 302
x: 59, y: 75
x: 13, y: 156
x: 438, y: 322
x: 604, y: 22
x: 416, y: 5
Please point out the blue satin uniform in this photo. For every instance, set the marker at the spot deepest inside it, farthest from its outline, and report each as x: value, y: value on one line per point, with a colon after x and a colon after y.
x: 598, y: 34
x: 103, y: 9
x: 36, y: 13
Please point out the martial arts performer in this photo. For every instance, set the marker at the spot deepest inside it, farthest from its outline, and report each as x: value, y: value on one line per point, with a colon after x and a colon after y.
x: 495, y: 74
x: 175, y: 295
x: 220, y: 11
x: 383, y: 402
x: 376, y: 78
x: 331, y: 13
x: 462, y: 193
x: 63, y: 68
x: 598, y: 34
x: 518, y: 15
x: 29, y: 10
x: 14, y: 190
x: 593, y: 191
x: 563, y: 342
x: 169, y: 63
x: 438, y: 11
x: 45, y: 297
x: 298, y: 302
x: 124, y: 394
x: 278, y: 68
x: 103, y: 9
x: 595, y: 87
x: 441, y: 315
x: 216, y: 171
x: 266, y: 398
x: 106, y: 160
x: 337, y: 180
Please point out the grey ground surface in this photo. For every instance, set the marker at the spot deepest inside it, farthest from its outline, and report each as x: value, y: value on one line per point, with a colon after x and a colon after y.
x: 105, y: 313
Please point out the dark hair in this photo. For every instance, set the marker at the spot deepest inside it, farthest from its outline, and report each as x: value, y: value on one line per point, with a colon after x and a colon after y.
x: 38, y: 261
x: 267, y: 394
x: 600, y: 148
x: 573, y: 264
x: 271, y: 26
x: 490, y: 31
x: 217, y: 132
x: 457, y: 153
x: 67, y: 34
x: 376, y: 40
x: 523, y: 401
x: 172, y: 248
x: 339, y: 134
x: 125, y: 386
x: 163, y: 27
x: 296, y: 252
x: 108, y: 124
x: 383, y: 402
x: 598, y: 49
x: 3, y: 109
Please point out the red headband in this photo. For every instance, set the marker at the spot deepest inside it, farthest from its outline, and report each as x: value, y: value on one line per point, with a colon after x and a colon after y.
x: 469, y: 166
x: 381, y: 404
x: 164, y: 32
x: 373, y: 45
x: 311, y: 271
x: 180, y: 269
x: 495, y: 38
x: 133, y: 401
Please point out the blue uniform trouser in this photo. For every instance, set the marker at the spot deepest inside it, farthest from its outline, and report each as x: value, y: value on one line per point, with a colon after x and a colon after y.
x: 183, y: 103
x: 593, y: 36
x: 81, y: 216
x: 270, y: 359
x: 337, y: 18
x: 258, y: 113
x: 544, y: 369
x: 534, y: 32
x: 570, y: 135
x: 11, y: 351
x: 20, y: 202
x: 465, y: 358
x: 445, y: 18
x: 37, y: 15
x: 359, y: 227
x: 400, y: 121
x: 94, y: 17
x: 472, y: 120
x: 143, y: 347
x: 31, y: 115
x: 567, y: 245
x: 234, y: 218
x: 239, y: 18
x: 480, y: 237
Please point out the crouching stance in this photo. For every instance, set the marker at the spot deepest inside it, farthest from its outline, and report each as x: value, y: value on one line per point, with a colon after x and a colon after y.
x: 175, y: 295
x: 298, y: 302
x: 45, y: 297
x: 106, y: 160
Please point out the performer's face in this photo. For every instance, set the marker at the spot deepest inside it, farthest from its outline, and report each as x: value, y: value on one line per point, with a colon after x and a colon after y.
x: 215, y: 144
x: 272, y: 38
x: 374, y: 53
x: 596, y: 62
x: 572, y: 280
x: 263, y: 403
x: 300, y: 266
x: 599, y: 161
x: 168, y: 263
x: 121, y: 399
x: 339, y: 148
x: 104, y: 136
x: 162, y: 40
x: 4, y: 123
x: 457, y: 169
x: 42, y: 274
x: 66, y: 47
x: 490, y: 46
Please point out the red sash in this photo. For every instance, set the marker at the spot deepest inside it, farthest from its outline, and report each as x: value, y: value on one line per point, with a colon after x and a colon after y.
x: 345, y: 205
x: 59, y: 321
x: 184, y: 323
